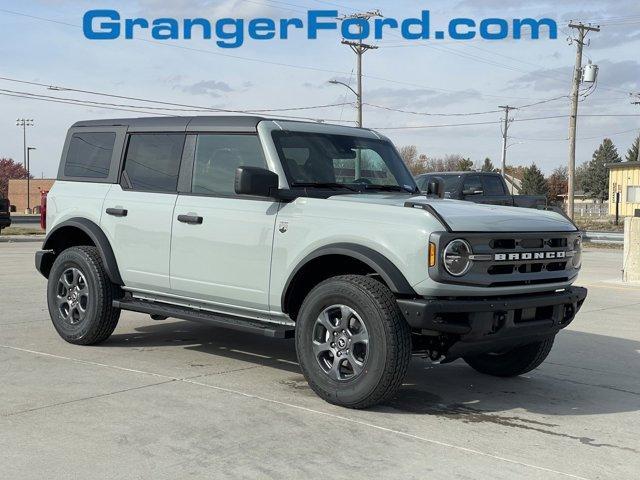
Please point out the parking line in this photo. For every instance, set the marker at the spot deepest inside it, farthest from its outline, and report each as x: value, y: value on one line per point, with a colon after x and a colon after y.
x: 308, y: 410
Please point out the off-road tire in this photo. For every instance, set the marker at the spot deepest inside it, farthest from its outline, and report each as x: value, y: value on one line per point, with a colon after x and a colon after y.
x: 388, y: 350
x: 100, y: 317
x: 515, y: 362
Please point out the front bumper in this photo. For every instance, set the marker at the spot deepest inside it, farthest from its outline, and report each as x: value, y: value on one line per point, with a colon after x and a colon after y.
x: 478, y: 325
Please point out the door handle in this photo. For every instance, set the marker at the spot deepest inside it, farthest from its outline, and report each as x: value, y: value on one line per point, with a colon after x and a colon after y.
x: 117, y: 212
x: 191, y: 219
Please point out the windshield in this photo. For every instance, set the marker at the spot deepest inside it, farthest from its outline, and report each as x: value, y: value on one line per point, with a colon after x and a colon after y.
x: 341, y: 162
x: 450, y: 182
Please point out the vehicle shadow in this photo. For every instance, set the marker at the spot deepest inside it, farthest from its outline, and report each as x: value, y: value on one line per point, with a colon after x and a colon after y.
x: 573, y: 381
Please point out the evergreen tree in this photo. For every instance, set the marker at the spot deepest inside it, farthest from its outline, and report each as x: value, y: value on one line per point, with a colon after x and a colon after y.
x: 465, y: 165
x: 632, y: 153
x: 487, y: 166
x: 533, y: 182
x: 596, y: 178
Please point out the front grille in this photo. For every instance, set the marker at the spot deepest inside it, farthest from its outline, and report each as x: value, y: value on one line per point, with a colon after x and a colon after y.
x: 506, y: 260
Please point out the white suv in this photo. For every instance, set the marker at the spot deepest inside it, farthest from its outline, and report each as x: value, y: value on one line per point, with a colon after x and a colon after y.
x: 300, y: 229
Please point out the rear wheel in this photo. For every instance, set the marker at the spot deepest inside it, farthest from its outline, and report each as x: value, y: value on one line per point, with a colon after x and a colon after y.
x: 80, y: 295
x: 353, y: 344
x: 513, y: 362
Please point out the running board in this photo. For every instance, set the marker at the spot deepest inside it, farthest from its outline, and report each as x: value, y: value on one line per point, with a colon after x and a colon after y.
x: 202, y: 316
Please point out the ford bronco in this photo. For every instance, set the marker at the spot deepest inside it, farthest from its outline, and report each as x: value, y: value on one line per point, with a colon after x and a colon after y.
x: 306, y: 230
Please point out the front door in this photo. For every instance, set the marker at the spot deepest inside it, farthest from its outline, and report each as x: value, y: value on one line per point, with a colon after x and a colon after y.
x: 138, y: 212
x: 221, y: 242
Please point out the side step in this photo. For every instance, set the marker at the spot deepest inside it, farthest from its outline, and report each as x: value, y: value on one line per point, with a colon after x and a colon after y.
x: 202, y: 316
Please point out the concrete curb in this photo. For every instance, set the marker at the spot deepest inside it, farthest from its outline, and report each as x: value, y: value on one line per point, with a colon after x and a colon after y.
x: 21, y: 238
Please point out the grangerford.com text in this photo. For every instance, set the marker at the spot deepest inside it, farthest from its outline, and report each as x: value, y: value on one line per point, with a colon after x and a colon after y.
x: 232, y: 32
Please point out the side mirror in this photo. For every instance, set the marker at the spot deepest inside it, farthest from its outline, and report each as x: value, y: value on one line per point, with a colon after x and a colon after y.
x: 256, y: 181
x: 435, y: 187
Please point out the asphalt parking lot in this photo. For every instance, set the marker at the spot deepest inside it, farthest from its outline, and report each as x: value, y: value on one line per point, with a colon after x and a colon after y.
x: 173, y: 399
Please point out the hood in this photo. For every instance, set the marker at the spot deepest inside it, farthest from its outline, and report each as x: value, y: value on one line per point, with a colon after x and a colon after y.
x: 463, y: 216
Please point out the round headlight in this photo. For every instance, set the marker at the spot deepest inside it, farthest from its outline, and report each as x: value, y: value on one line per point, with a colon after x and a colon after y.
x: 577, y: 253
x: 456, y: 257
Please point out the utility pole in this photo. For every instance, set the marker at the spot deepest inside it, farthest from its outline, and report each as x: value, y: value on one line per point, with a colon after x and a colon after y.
x: 582, y: 31
x: 359, y: 48
x: 636, y: 101
x: 505, y: 127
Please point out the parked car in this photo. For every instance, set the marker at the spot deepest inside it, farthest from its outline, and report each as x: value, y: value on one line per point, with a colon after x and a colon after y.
x: 5, y: 213
x: 287, y: 228
x: 480, y: 187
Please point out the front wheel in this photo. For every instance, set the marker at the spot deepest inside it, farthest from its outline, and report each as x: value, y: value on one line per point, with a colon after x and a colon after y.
x: 352, y: 342
x: 513, y: 362
x: 80, y: 295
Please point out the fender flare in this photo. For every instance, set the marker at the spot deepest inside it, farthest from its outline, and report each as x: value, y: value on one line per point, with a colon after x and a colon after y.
x: 380, y: 264
x: 97, y: 236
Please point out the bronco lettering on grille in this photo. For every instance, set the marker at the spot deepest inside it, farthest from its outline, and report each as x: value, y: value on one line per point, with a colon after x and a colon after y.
x: 505, y: 257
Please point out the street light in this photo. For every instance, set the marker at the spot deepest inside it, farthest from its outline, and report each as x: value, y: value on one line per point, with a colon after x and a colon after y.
x: 358, y: 160
x: 24, y: 123
x: 29, y: 177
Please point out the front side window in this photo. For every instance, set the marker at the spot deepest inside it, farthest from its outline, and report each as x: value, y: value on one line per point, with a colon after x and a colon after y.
x: 89, y: 155
x: 451, y: 182
x: 153, y: 161
x: 317, y: 159
x: 472, y: 186
x: 217, y: 158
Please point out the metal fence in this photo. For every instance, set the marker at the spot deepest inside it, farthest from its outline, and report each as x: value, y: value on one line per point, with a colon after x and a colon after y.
x: 591, y: 209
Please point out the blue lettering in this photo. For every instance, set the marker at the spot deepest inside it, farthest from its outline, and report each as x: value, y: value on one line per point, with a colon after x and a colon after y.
x: 262, y: 29
x: 362, y: 28
x: 423, y: 23
x: 503, y: 29
x: 203, y: 22
x: 165, y: 29
x: 535, y: 27
x: 286, y: 22
x: 381, y: 22
x: 453, y: 29
x: 108, y: 30
x: 130, y: 23
x: 236, y: 35
x: 314, y: 24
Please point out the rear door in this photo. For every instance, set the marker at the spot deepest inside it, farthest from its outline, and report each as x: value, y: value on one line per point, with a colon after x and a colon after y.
x: 221, y: 243
x: 138, y: 211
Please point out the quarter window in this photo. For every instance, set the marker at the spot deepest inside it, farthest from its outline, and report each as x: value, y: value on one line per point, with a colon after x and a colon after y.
x: 217, y: 158
x: 89, y: 155
x: 153, y: 162
x: 493, y: 185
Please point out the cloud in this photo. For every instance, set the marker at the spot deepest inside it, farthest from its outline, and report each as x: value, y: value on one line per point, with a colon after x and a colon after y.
x: 212, y: 88
x: 624, y: 75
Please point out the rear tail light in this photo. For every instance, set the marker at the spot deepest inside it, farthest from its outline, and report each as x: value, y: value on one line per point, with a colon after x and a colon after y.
x: 43, y: 209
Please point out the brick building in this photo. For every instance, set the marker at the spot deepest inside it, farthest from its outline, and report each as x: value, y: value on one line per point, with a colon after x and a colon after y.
x: 18, y: 192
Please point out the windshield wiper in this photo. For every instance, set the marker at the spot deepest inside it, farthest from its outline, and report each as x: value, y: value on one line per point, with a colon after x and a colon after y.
x: 324, y: 185
x: 394, y: 188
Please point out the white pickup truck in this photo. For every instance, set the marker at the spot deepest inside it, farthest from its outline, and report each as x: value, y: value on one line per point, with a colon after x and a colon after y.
x: 300, y: 229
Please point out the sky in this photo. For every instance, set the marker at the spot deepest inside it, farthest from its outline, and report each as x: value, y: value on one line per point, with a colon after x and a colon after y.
x: 42, y: 42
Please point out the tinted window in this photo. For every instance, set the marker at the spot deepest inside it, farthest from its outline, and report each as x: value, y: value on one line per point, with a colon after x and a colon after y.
x: 89, y: 155
x: 493, y: 185
x: 218, y: 157
x: 153, y: 162
x: 472, y: 184
x: 310, y: 158
x: 450, y: 182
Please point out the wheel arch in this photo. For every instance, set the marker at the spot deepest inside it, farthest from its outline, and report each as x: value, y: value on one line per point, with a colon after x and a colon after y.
x: 74, y: 232
x: 338, y: 259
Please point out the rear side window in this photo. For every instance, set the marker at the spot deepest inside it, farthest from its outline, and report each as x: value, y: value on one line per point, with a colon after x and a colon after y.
x: 89, y: 155
x: 493, y: 185
x: 153, y: 161
x: 217, y: 158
